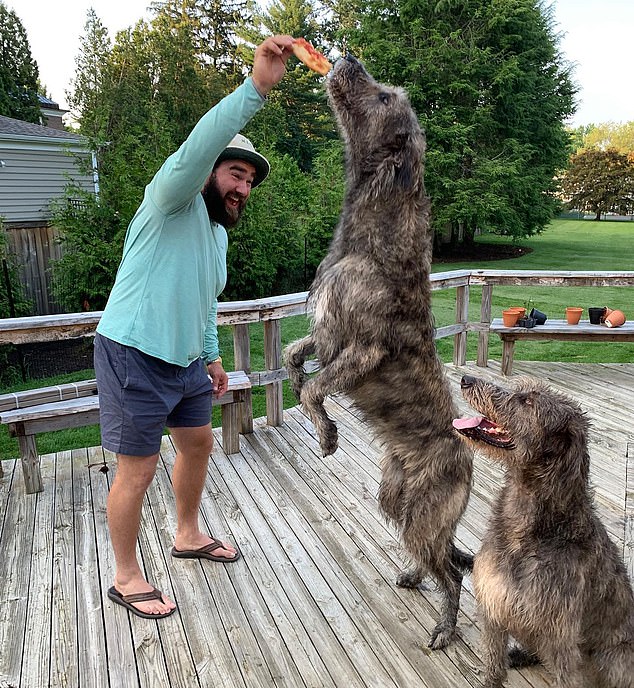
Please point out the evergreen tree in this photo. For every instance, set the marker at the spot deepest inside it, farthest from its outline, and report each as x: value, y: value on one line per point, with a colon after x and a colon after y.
x: 19, y: 74
x: 298, y: 121
x: 492, y: 92
x: 86, y: 96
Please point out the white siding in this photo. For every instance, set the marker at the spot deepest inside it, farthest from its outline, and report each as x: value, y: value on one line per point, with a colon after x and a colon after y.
x: 34, y: 174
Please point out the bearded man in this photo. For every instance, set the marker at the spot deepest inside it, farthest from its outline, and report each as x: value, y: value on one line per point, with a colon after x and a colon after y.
x: 157, y: 343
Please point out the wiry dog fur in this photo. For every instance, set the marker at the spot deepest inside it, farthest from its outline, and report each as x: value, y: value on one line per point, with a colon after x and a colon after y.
x: 547, y: 572
x: 372, y: 333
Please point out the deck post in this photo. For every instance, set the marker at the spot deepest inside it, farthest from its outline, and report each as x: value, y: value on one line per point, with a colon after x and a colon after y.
x: 485, y: 320
x: 242, y: 361
x: 272, y: 362
x: 462, y: 318
x: 30, y: 463
x: 628, y: 539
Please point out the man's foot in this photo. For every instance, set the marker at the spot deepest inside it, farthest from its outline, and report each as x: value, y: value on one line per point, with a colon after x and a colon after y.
x: 215, y: 550
x: 149, y: 604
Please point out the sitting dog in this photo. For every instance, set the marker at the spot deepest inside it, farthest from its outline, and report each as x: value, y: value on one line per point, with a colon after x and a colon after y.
x: 547, y: 572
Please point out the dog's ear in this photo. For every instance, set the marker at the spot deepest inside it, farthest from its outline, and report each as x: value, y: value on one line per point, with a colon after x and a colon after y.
x: 566, y: 449
x: 397, y: 164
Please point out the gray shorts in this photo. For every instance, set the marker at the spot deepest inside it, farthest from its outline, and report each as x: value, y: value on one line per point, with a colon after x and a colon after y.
x: 140, y: 395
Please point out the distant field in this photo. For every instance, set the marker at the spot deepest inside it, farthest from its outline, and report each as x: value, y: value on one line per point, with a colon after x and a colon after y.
x: 566, y: 245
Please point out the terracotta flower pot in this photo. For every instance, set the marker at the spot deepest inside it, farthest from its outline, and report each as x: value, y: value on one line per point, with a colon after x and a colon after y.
x: 615, y: 319
x: 510, y: 317
x: 573, y: 315
x: 520, y: 309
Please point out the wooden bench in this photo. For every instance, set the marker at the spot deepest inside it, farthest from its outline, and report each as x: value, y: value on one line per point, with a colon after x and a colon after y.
x: 77, y: 404
x: 557, y: 329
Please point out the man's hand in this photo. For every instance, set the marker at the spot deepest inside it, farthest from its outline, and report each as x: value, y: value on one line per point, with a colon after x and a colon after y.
x: 219, y: 379
x: 269, y: 62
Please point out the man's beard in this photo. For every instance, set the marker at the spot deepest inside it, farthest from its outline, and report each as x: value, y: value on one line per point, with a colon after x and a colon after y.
x: 217, y: 208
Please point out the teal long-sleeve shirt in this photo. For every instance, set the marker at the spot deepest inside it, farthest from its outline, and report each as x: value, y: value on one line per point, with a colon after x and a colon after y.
x: 165, y: 297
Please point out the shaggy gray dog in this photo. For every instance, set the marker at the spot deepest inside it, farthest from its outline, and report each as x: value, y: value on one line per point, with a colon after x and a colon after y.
x: 547, y: 572
x: 372, y: 332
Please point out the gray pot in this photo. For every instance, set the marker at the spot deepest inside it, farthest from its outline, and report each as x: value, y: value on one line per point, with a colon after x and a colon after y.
x: 539, y: 317
x: 596, y: 315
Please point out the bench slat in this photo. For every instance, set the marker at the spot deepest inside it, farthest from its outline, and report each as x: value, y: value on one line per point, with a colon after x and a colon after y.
x: 44, y: 395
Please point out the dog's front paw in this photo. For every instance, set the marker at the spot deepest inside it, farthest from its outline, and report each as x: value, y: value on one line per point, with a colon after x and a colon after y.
x: 409, y: 579
x: 441, y: 636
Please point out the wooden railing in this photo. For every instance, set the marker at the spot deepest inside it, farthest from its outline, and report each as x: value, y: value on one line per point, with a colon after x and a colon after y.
x: 270, y: 312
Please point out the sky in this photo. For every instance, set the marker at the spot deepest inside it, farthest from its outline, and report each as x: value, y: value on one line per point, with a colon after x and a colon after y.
x: 597, y: 39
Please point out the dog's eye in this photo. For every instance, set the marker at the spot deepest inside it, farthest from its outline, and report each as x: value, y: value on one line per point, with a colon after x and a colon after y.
x: 384, y: 98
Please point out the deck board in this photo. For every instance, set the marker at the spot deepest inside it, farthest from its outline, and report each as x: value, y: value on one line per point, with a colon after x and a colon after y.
x: 312, y: 603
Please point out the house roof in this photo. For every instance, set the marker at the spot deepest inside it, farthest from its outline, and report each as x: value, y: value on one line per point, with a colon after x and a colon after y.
x: 47, y: 102
x: 16, y: 127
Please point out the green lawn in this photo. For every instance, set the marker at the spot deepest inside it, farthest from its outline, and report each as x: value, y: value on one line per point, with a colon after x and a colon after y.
x: 566, y: 245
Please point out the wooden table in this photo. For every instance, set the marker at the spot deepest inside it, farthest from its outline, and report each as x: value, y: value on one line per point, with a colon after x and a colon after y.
x: 557, y: 329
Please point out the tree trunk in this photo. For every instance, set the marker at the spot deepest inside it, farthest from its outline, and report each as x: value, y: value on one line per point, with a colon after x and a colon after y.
x: 468, y: 234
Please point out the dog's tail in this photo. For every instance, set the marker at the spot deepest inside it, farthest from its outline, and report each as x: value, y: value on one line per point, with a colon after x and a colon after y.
x: 461, y: 560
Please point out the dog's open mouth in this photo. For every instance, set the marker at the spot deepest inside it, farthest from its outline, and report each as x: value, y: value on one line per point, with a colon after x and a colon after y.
x: 484, y: 430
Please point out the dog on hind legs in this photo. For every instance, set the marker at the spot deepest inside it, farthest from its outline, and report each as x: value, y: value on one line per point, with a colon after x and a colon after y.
x: 373, y: 334
x: 547, y: 572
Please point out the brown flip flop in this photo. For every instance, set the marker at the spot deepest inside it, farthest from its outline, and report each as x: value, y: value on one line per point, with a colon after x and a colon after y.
x: 205, y: 552
x: 127, y: 602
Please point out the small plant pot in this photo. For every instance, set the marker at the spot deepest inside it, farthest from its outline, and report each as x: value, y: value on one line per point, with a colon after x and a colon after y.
x: 510, y: 317
x: 573, y: 315
x: 596, y: 315
x: 520, y: 309
x: 615, y: 319
x: 539, y: 317
x: 526, y: 322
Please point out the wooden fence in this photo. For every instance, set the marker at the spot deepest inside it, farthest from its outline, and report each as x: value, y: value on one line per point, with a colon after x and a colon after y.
x: 35, y: 248
x: 270, y: 312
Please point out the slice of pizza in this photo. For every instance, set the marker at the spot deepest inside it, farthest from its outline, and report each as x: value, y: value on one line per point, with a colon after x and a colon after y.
x: 313, y: 59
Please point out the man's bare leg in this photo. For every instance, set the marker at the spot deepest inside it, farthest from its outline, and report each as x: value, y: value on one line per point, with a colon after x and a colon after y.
x: 133, y: 476
x: 194, y: 445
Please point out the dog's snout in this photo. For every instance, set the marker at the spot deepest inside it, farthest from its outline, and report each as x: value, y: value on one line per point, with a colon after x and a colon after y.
x: 468, y: 381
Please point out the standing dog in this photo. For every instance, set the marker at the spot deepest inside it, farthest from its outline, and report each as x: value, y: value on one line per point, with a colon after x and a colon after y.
x: 372, y: 332
x: 547, y: 572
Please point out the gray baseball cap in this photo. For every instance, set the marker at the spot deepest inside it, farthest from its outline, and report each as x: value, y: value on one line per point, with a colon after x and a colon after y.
x: 240, y: 148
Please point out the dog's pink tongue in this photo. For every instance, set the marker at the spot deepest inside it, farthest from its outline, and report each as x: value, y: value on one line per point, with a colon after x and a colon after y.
x: 464, y: 423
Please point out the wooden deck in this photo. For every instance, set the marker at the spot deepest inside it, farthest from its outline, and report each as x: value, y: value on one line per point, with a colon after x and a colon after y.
x: 313, y: 601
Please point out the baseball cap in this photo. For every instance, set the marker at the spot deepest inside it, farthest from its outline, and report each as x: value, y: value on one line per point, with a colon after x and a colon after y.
x: 240, y: 148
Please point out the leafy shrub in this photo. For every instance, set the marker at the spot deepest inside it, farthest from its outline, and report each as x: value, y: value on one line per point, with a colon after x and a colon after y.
x: 92, y: 234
